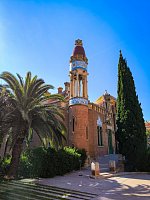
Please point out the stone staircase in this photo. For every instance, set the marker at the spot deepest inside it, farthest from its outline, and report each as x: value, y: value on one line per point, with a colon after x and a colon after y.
x: 18, y: 190
x: 104, y: 161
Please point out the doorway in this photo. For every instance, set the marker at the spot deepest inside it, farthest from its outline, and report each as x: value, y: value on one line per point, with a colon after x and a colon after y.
x: 110, y: 146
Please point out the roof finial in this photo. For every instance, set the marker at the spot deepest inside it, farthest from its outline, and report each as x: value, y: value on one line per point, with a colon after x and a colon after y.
x: 105, y: 93
x: 120, y: 54
x: 78, y: 42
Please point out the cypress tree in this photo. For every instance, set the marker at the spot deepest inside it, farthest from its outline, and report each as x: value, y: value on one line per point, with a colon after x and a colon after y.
x: 131, y: 132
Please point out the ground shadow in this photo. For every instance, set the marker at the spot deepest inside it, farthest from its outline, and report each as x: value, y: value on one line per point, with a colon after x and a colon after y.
x: 125, y: 187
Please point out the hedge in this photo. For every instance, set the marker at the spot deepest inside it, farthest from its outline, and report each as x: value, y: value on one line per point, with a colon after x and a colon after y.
x: 46, y: 163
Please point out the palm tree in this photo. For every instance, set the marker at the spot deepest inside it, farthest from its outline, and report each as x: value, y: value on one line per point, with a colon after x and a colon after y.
x: 31, y: 111
x: 2, y: 107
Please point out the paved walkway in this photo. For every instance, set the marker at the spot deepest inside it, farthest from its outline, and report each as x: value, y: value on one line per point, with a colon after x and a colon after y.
x: 131, y: 186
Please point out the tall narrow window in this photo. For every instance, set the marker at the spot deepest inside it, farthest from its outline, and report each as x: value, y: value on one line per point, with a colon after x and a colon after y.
x: 106, y: 105
x: 99, y: 134
x: 73, y: 124
x: 87, y: 135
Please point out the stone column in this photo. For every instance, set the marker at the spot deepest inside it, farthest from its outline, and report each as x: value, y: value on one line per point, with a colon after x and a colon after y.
x: 77, y: 85
x: 71, y: 88
x: 79, y: 91
x: 85, y: 86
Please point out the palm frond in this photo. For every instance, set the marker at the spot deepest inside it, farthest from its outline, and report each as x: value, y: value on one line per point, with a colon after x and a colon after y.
x: 12, y: 81
x: 27, y: 82
x: 35, y: 84
x: 21, y: 80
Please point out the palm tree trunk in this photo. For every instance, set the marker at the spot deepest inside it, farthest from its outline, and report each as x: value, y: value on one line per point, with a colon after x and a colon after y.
x: 16, y: 153
x: 5, y: 149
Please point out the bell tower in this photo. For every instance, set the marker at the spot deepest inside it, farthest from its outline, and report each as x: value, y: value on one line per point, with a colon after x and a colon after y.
x: 78, y: 102
x: 78, y: 75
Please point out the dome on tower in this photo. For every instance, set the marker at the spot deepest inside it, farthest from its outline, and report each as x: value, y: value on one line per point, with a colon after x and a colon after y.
x: 78, y: 52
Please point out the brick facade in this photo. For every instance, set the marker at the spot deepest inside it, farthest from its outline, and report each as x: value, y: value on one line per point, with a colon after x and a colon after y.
x: 88, y: 123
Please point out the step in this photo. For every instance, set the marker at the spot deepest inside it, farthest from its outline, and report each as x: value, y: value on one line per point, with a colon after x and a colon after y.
x: 104, y: 169
x: 24, y: 194
x: 19, y: 190
x: 55, y: 188
x: 107, y: 158
x: 104, y: 164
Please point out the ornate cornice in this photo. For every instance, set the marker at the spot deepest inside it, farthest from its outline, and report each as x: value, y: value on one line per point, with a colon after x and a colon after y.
x: 77, y: 101
x: 79, y: 57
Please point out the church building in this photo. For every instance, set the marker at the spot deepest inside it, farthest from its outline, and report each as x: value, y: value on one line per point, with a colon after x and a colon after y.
x: 90, y: 125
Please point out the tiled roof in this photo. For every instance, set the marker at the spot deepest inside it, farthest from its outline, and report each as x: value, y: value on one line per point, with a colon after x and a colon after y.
x: 78, y: 50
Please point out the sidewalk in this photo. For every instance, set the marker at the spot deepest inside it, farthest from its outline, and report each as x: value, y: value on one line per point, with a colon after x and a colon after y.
x: 122, y: 186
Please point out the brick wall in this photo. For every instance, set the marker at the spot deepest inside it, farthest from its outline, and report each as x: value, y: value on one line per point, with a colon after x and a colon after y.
x: 85, y: 130
x: 94, y: 149
x: 77, y: 137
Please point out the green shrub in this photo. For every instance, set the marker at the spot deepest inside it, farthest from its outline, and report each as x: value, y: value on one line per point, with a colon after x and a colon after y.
x: 83, y: 157
x: 67, y: 160
x: 38, y: 162
x: 49, y: 163
x: 146, y: 161
x: 41, y: 162
x: 141, y: 165
x: 25, y: 167
x: 5, y: 163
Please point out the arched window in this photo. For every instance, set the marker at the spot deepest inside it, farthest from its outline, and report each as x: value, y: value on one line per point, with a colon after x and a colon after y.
x: 99, y: 136
x: 99, y: 132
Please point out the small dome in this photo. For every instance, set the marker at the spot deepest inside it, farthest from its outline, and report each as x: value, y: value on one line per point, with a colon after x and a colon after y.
x: 78, y: 50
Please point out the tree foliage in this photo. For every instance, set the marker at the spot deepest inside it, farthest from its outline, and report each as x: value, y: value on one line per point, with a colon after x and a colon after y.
x: 131, y: 128
x: 148, y: 132
x: 31, y: 110
x: 47, y: 162
x: 5, y: 107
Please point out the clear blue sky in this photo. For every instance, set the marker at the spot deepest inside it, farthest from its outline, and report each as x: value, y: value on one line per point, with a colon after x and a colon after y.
x: 39, y: 35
